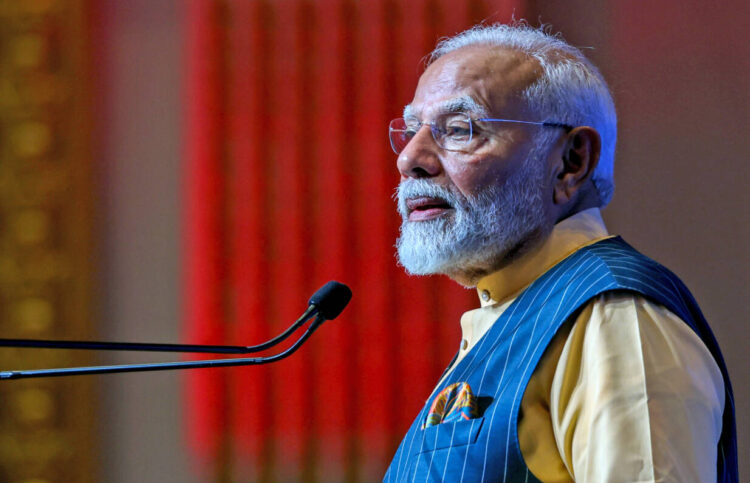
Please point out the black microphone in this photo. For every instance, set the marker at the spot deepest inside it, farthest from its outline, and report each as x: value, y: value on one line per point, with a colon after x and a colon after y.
x: 327, y: 303
x: 331, y: 299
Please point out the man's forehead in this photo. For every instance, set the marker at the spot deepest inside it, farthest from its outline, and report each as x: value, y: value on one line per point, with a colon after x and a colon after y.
x: 480, y: 77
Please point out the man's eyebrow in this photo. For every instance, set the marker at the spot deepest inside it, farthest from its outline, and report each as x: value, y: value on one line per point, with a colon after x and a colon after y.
x: 464, y: 104
x: 459, y: 104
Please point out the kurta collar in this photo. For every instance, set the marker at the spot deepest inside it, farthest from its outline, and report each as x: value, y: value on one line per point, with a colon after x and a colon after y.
x: 577, y: 231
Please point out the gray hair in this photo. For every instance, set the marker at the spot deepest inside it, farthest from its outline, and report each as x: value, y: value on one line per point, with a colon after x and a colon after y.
x: 571, y: 90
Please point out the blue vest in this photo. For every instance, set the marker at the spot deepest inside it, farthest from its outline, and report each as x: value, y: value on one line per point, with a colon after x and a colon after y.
x: 498, y: 368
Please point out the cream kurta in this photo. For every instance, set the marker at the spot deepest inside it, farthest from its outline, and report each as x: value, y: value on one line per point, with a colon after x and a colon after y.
x: 626, y: 392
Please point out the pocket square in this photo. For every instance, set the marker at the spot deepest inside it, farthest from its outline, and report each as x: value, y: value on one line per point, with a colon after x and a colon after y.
x: 454, y: 403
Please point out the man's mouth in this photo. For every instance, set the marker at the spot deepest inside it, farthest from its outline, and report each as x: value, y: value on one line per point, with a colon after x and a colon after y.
x: 426, y: 208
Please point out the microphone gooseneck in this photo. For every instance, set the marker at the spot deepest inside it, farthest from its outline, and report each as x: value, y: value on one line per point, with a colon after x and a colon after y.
x: 326, y: 304
x: 328, y: 301
x: 162, y: 366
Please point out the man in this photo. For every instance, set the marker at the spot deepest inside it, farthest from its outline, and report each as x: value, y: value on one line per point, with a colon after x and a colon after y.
x: 586, y: 360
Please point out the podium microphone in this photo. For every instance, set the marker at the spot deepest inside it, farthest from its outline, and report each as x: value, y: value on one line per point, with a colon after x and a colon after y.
x: 325, y: 304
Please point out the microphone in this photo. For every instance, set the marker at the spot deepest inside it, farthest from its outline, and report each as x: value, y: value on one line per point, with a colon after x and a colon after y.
x: 328, y: 301
x: 331, y: 299
x: 326, y: 304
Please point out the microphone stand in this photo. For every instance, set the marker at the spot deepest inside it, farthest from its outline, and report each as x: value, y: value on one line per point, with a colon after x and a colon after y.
x: 163, y: 366
x: 155, y: 347
x: 325, y: 304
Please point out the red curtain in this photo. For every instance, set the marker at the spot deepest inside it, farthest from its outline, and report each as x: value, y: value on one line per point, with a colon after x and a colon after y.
x: 289, y: 178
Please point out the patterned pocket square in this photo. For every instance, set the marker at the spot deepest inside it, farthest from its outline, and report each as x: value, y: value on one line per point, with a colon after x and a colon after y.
x: 454, y: 403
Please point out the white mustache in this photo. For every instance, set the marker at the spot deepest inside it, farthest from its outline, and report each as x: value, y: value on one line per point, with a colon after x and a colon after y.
x: 418, y: 188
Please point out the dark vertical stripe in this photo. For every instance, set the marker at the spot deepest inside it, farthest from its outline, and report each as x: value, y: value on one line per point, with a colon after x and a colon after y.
x: 307, y: 26
x: 287, y: 212
x: 351, y: 258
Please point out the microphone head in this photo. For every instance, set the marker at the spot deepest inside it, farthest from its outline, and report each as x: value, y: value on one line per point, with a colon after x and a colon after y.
x: 331, y: 299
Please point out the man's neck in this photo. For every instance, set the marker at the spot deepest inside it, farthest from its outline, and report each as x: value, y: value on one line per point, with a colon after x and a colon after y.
x: 470, y: 276
x: 567, y: 236
x: 588, y: 198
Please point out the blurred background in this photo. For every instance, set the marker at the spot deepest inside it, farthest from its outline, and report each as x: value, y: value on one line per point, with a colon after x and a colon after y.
x: 192, y: 170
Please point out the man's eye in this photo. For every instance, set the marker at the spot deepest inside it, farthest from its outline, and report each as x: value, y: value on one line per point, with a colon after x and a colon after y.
x: 410, y: 132
x: 458, y: 130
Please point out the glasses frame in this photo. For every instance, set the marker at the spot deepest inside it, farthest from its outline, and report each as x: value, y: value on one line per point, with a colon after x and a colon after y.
x: 436, y: 134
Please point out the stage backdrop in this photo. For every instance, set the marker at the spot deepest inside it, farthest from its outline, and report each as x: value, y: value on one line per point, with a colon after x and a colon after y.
x: 289, y: 183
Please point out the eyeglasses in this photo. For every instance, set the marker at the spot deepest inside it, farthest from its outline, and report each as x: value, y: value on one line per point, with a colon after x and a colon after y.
x: 452, y: 131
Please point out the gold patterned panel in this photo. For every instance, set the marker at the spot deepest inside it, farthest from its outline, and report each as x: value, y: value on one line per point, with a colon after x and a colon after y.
x: 46, y: 218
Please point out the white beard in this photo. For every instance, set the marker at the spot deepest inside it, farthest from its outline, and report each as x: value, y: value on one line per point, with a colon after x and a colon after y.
x: 481, y: 231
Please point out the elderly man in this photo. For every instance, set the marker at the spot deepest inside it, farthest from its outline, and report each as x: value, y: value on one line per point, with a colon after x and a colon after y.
x: 586, y: 361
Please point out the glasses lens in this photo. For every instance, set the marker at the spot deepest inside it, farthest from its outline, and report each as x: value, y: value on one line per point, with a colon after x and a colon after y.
x: 400, y: 133
x: 453, y: 131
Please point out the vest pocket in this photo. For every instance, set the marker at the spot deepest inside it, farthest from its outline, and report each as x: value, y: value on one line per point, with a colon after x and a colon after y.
x: 460, y: 433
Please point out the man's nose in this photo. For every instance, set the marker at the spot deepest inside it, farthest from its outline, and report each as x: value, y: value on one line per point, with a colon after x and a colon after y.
x: 420, y: 159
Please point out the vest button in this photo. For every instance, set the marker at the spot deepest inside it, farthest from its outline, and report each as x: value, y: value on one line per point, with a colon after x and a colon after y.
x: 464, y: 344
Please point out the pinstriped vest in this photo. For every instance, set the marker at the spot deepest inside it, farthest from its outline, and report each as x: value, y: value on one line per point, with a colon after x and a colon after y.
x: 498, y: 368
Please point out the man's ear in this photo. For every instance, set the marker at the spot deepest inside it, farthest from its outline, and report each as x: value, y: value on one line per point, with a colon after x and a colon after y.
x: 580, y: 155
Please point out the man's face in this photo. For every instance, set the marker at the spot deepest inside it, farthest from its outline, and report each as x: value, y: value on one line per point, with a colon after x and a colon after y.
x: 465, y: 213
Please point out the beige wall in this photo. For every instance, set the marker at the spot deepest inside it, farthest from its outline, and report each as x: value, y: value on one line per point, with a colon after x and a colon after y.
x: 139, y: 126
